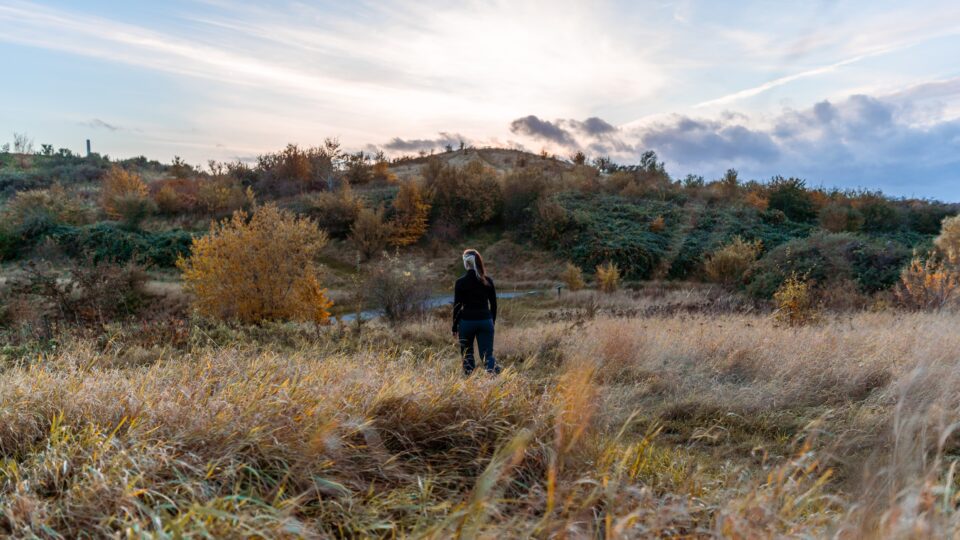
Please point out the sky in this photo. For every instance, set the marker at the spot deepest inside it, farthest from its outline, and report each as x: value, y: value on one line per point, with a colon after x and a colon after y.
x: 846, y: 93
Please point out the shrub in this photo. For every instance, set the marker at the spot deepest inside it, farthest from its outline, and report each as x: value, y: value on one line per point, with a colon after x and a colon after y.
x: 175, y: 196
x: 333, y: 212
x: 258, y: 269
x: 948, y: 242
x: 469, y: 197
x: 412, y: 215
x: 873, y: 264
x: 837, y: 218
x: 608, y: 277
x: 90, y: 293
x: 878, y: 214
x: 370, y: 233
x: 380, y: 172
x: 400, y: 288
x: 729, y: 264
x: 106, y: 242
x: 54, y: 205
x: 756, y: 200
x: 794, y: 302
x: 133, y: 209
x: 928, y: 284
x: 552, y: 222
x: 293, y: 170
x: 223, y: 195
x: 521, y: 190
x: 119, y: 183
x: 790, y: 196
x: 658, y: 224
x: 573, y: 277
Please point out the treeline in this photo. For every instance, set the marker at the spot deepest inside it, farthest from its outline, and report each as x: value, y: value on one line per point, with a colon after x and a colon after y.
x: 591, y: 212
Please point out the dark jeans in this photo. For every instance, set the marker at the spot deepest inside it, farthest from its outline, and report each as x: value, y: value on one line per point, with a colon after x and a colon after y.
x: 482, y: 332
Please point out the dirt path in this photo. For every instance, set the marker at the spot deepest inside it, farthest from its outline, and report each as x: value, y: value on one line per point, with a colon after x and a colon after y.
x: 690, y: 213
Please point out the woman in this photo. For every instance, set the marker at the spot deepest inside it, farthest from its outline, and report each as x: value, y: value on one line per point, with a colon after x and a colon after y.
x: 474, y: 313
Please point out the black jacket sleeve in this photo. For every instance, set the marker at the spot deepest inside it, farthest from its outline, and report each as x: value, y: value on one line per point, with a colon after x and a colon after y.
x: 492, y: 297
x: 457, y: 306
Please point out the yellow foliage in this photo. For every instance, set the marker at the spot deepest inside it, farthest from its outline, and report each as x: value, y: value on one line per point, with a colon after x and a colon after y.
x: 258, y: 269
x: 949, y: 240
x: 728, y: 264
x: 381, y: 171
x: 608, y: 277
x: 795, y: 303
x: 412, y: 215
x: 573, y: 277
x: 119, y: 187
x: 929, y: 284
x: 657, y: 224
x: 756, y: 200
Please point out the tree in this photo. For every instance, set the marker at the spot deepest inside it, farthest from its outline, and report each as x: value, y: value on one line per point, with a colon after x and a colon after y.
x: 22, y: 144
x: 46, y: 149
x: 180, y: 168
x: 257, y: 268
x: 412, y: 215
x: 579, y: 158
x: 370, y: 232
x: 790, y: 196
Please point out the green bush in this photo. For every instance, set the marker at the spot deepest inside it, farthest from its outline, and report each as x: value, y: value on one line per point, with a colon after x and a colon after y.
x: 873, y: 264
x: 609, y: 228
x: 106, y: 242
x: 790, y: 196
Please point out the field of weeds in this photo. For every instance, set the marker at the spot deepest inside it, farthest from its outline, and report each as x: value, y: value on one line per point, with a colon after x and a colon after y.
x: 636, y: 425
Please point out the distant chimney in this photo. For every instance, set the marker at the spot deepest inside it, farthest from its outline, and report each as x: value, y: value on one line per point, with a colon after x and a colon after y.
x: 88, y: 147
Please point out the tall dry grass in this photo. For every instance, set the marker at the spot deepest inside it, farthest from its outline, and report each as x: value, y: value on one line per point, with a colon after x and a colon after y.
x: 671, y: 425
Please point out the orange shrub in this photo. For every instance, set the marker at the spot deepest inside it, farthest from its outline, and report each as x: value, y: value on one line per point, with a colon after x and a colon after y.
x: 573, y: 277
x: 413, y: 214
x: 120, y: 189
x: 756, y: 200
x: 258, y: 269
x: 657, y: 224
x: 928, y: 284
x: 608, y: 277
x: 795, y: 302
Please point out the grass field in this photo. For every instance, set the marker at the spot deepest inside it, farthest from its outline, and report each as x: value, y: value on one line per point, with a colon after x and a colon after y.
x: 615, y: 418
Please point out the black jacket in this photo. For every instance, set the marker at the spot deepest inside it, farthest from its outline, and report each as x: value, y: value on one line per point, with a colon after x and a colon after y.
x: 472, y: 300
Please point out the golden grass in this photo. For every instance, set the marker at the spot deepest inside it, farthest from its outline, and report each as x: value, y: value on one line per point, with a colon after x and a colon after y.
x: 672, y: 425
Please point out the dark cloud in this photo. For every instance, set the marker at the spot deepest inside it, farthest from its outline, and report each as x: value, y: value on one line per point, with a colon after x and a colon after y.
x: 409, y: 145
x: 531, y: 126
x: 97, y: 123
x: 689, y: 141
x: 592, y: 126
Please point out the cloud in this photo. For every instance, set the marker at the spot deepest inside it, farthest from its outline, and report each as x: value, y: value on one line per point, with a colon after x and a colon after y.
x: 592, y: 126
x: 97, y: 123
x: 407, y: 145
x: 694, y: 142
x: 860, y: 141
x: 531, y: 126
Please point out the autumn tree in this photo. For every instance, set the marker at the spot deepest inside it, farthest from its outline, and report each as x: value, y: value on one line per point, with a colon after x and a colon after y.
x: 370, y: 232
x: 256, y: 268
x: 412, y: 214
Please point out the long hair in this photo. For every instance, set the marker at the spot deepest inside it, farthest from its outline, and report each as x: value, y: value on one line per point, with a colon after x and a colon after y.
x: 473, y: 261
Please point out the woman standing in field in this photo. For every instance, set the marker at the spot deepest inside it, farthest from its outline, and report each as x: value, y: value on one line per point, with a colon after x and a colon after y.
x: 475, y: 313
